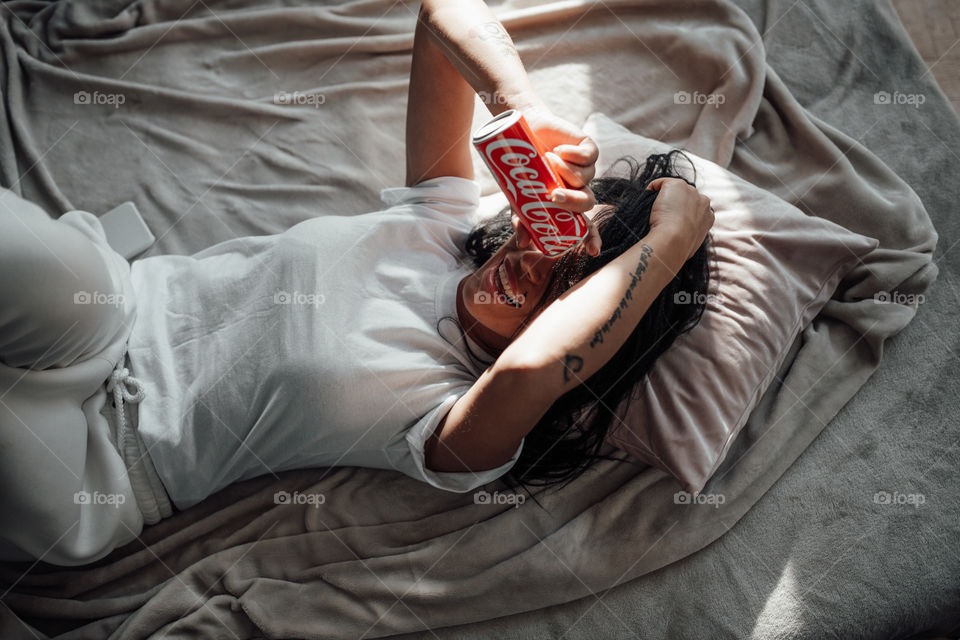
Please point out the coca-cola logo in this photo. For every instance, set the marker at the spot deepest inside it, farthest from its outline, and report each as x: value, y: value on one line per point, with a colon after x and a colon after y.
x: 544, y: 218
x: 513, y: 165
x: 511, y: 158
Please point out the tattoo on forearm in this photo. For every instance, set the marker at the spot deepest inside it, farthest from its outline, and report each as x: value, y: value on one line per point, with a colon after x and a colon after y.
x: 635, y: 279
x: 494, y: 33
x: 572, y: 363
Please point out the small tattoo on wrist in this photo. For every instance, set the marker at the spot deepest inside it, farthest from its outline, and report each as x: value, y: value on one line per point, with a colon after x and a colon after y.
x: 572, y: 363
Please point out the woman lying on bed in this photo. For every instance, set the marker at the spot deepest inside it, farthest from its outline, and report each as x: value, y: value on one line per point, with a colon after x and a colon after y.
x: 652, y: 246
x: 330, y: 344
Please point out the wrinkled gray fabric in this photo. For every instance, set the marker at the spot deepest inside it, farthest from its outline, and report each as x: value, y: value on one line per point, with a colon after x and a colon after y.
x: 202, y: 149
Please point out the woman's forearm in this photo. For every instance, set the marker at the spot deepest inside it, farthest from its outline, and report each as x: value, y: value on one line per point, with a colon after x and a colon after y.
x: 579, y: 332
x: 439, y: 114
x: 482, y: 51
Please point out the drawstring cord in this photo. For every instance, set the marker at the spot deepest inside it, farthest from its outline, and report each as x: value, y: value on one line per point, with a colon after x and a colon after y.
x: 152, y: 499
x: 119, y: 383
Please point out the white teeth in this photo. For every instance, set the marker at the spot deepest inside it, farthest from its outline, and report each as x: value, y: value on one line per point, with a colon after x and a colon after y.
x: 505, y: 283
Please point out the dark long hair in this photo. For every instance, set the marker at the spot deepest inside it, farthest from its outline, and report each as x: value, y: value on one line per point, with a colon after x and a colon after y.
x: 569, y: 437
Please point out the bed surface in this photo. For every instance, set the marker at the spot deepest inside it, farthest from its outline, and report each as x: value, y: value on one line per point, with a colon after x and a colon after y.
x: 804, y: 551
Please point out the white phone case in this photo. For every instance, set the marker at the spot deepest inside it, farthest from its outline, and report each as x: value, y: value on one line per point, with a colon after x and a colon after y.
x: 126, y: 231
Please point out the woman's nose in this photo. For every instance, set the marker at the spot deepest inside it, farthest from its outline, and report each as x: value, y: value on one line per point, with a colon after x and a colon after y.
x: 534, y: 266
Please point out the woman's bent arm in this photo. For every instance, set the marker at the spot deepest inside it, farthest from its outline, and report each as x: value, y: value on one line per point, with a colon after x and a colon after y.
x: 563, y: 346
x: 581, y: 330
x: 439, y: 114
x: 461, y: 47
x: 482, y: 51
x: 485, y: 426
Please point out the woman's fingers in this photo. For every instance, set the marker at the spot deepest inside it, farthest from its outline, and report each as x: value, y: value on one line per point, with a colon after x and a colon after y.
x: 573, y: 174
x: 683, y: 210
x: 656, y: 185
x: 579, y: 200
x: 579, y: 197
x: 572, y: 154
x: 584, y: 154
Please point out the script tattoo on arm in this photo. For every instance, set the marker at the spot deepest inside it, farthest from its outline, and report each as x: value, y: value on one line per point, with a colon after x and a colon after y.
x: 635, y: 279
x: 494, y: 33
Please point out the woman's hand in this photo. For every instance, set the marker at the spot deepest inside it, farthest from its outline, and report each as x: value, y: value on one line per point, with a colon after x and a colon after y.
x: 682, y: 211
x: 571, y: 153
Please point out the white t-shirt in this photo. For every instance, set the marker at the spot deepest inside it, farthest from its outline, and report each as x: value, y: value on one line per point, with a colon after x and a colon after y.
x: 310, y: 348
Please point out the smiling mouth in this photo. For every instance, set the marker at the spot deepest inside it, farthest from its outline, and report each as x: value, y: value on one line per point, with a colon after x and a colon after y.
x: 502, y: 282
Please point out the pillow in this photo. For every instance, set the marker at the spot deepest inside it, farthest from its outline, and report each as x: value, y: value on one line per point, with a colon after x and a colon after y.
x: 773, y: 269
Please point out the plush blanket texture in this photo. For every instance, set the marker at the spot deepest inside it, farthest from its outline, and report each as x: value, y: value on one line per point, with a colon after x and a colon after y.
x: 239, y: 118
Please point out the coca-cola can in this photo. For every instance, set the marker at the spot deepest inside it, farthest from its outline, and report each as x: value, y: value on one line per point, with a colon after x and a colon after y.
x: 519, y: 164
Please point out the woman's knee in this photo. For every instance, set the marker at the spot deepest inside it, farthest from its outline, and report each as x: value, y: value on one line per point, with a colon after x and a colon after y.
x: 61, y: 301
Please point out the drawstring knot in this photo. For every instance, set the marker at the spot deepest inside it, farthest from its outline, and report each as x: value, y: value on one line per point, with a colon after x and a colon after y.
x: 120, y: 384
x: 119, y: 380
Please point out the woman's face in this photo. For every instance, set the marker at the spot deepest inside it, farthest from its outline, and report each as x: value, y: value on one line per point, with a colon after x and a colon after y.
x: 494, y: 301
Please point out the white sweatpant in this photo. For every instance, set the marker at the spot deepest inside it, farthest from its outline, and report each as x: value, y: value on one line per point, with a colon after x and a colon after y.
x: 67, y: 496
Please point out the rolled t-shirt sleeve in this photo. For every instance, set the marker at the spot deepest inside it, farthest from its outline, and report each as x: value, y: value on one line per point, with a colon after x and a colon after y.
x: 411, y: 461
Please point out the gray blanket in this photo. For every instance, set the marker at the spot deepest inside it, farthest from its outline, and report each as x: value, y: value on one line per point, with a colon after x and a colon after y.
x: 171, y: 104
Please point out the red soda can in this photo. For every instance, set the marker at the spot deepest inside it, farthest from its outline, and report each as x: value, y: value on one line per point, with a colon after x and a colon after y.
x: 519, y: 164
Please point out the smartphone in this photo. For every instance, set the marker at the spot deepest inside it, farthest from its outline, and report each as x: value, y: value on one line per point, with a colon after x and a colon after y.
x: 127, y: 233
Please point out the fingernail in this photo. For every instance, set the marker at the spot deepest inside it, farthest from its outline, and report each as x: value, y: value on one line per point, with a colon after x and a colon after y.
x: 558, y: 196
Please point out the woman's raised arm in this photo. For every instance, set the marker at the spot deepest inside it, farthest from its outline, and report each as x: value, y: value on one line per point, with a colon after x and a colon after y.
x: 439, y: 112
x: 556, y: 352
x: 460, y: 48
x: 582, y: 329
